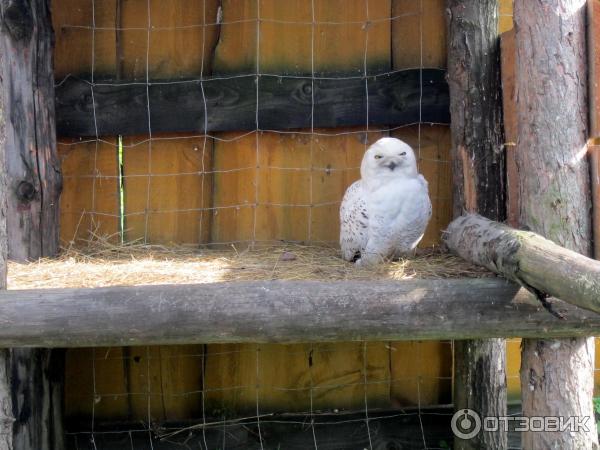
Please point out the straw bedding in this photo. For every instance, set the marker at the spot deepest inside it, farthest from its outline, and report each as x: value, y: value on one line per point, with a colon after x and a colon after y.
x: 104, y: 264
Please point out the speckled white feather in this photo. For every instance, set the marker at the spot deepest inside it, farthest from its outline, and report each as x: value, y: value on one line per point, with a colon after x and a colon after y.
x: 385, y: 213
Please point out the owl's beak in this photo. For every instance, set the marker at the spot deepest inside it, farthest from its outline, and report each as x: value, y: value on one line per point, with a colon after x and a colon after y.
x: 392, y: 166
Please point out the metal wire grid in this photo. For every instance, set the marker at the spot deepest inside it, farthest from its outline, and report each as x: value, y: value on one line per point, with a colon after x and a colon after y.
x: 202, y: 429
x: 98, y: 177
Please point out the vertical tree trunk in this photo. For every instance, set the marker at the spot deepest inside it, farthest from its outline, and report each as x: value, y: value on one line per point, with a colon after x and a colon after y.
x: 33, y: 188
x: 6, y: 415
x: 478, y: 171
x: 554, y: 186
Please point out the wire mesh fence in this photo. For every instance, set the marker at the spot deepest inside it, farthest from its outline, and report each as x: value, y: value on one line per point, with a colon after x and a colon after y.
x: 228, y: 188
x: 350, y: 395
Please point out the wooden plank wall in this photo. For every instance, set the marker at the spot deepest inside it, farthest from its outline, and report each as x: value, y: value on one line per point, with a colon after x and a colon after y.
x: 299, y: 169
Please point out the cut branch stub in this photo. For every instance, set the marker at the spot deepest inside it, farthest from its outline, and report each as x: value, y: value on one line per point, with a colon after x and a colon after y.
x: 528, y: 259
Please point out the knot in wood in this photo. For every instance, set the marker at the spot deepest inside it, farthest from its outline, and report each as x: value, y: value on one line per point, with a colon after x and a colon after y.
x: 25, y: 191
x: 18, y: 20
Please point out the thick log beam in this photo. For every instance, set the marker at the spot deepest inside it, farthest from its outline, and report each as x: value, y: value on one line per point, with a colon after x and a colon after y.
x: 231, y: 103
x: 282, y: 311
x: 528, y: 259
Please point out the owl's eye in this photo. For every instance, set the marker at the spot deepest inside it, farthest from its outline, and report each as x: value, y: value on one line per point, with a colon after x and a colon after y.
x: 378, y: 156
x: 402, y: 154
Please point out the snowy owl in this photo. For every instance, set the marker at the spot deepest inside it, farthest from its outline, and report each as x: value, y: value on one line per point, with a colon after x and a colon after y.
x: 385, y: 213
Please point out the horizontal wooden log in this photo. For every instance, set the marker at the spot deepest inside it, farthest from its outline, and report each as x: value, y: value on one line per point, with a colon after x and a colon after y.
x: 282, y: 311
x: 231, y: 103
x: 528, y: 259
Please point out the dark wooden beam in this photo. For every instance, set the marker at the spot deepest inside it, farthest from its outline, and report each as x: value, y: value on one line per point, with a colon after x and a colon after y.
x: 283, y: 103
x: 390, y: 430
x: 282, y: 311
x: 478, y: 180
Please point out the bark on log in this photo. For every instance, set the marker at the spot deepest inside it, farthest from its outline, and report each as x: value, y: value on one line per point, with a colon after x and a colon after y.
x: 528, y: 259
x: 557, y: 377
x: 478, y: 168
x: 282, y: 311
x: 33, y: 189
x: 6, y: 412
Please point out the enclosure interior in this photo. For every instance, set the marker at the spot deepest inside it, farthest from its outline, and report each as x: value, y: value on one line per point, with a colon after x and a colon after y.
x: 239, y: 189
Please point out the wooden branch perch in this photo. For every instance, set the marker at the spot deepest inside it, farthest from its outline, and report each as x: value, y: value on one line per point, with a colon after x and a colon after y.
x: 527, y: 258
x: 282, y: 311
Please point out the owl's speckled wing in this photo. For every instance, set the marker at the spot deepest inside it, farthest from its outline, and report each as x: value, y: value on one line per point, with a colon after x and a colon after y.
x: 354, y: 221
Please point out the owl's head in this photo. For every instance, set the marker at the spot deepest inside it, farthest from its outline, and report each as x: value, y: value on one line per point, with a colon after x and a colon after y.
x: 388, y: 158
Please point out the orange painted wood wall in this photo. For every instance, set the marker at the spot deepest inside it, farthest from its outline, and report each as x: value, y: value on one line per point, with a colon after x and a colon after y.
x: 197, y: 189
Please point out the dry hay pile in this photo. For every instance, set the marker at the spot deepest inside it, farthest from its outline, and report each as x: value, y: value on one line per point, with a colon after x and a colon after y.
x: 105, y: 264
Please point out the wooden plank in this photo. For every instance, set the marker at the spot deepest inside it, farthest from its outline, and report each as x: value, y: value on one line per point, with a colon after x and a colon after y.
x: 168, y: 186
x: 343, y: 430
x: 279, y: 311
x: 593, y: 38
x: 285, y: 375
x: 421, y: 373
x: 594, y: 152
x: 178, y: 45
x: 79, y: 47
x: 284, y: 103
x: 419, y: 34
x: 89, y: 391
x: 89, y: 203
x: 505, y: 15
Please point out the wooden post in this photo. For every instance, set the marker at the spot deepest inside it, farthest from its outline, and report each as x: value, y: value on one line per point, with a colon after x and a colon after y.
x: 32, y: 165
x: 33, y: 189
x: 6, y: 412
x: 478, y: 167
x: 551, y: 81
